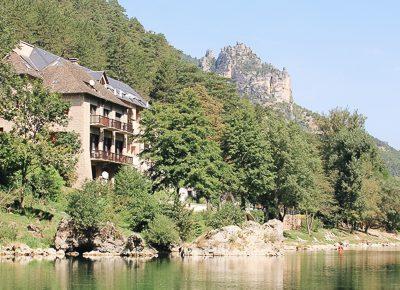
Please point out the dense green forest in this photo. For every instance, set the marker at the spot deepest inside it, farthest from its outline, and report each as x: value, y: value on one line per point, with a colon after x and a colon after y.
x: 200, y: 135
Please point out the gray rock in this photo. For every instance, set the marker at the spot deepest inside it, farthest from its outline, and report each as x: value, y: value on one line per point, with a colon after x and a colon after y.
x: 261, y: 82
x: 252, y: 239
x: 106, y: 241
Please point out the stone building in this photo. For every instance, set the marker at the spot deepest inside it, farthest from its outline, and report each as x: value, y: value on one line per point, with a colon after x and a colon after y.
x: 104, y: 112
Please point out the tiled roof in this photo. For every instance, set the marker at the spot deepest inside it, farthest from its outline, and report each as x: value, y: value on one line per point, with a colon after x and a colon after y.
x: 61, y: 75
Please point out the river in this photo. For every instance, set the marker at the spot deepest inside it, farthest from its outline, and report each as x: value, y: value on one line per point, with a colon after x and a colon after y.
x: 307, y: 270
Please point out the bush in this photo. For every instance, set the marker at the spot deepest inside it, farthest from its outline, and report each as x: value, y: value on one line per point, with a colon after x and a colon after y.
x: 46, y: 183
x: 8, y: 233
x: 7, y: 198
x: 133, y: 198
x: 316, y: 225
x: 228, y: 214
x: 88, y: 207
x: 162, y: 232
x: 130, y: 182
x: 199, y: 224
x: 258, y: 216
x: 141, y: 211
x: 182, y: 217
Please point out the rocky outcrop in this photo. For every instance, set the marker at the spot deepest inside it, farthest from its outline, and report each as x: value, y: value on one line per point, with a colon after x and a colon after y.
x: 106, y: 241
x: 207, y: 63
x: 252, y: 239
x: 261, y: 82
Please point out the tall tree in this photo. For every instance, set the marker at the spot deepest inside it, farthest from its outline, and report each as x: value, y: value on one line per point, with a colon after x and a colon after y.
x: 297, y: 165
x: 29, y: 145
x: 180, y: 150
x: 353, y: 163
x: 247, y: 151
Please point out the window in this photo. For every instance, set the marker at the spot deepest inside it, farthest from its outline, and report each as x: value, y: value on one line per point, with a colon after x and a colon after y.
x: 93, y: 109
x: 107, y: 144
x: 118, y: 116
x: 119, y: 145
x: 94, y: 142
x: 106, y: 112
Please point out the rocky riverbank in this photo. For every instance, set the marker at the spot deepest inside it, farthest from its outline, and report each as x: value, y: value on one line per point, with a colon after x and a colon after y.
x: 251, y: 239
x: 16, y: 250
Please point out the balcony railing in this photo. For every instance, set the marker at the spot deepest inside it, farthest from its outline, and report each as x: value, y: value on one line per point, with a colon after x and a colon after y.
x: 110, y: 123
x: 112, y: 157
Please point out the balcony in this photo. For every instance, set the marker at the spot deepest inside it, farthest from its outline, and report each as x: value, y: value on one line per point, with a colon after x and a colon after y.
x: 101, y: 121
x: 110, y: 157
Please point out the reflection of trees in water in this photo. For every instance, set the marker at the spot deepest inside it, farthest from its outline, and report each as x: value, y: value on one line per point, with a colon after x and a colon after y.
x: 366, y: 270
x: 352, y: 270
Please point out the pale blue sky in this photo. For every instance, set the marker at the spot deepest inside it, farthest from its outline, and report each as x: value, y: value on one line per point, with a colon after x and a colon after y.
x: 338, y: 53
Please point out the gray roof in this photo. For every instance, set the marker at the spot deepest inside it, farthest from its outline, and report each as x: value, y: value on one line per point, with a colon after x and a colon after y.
x: 40, y: 59
x: 124, y: 91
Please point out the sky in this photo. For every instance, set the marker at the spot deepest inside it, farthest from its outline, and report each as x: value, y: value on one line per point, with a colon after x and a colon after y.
x: 338, y: 53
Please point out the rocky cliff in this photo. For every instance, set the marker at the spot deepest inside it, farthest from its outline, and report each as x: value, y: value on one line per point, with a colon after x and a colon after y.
x: 267, y: 85
x: 261, y: 82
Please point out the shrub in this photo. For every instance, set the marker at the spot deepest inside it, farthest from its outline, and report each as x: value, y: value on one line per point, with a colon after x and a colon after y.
x: 258, y: 216
x: 88, y: 207
x: 182, y: 217
x: 7, y: 198
x: 133, y: 198
x: 316, y: 225
x: 46, y: 183
x: 228, y: 214
x: 162, y: 232
x: 141, y: 211
x: 8, y: 233
x: 199, y: 224
x: 130, y: 182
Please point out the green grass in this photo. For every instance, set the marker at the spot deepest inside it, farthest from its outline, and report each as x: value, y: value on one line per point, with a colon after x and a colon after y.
x: 14, y: 225
x: 38, y: 214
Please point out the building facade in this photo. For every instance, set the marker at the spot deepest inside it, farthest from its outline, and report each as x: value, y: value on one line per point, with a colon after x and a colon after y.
x: 104, y: 112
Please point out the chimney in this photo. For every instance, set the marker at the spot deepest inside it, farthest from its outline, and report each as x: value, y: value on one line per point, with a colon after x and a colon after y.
x: 74, y: 60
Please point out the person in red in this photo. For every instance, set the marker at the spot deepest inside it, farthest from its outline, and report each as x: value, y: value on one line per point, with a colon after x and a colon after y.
x: 340, y: 248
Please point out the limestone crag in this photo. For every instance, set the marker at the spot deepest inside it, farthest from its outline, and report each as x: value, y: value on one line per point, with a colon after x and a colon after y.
x: 261, y: 82
x: 252, y: 239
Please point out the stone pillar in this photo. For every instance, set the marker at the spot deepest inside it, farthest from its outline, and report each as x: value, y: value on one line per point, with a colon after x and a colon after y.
x: 125, y: 147
x: 113, y: 142
x: 101, y: 139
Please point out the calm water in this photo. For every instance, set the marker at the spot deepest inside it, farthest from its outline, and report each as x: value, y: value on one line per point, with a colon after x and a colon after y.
x: 353, y: 270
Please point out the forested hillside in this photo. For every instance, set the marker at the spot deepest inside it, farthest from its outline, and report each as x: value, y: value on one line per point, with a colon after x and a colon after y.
x: 201, y: 134
x: 100, y: 34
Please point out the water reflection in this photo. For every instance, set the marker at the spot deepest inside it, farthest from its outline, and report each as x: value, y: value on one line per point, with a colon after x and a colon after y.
x: 353, y: 270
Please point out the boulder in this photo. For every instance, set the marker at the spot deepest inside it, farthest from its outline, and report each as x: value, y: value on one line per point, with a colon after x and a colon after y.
x: 107, y: 240
x: 50, y: 252
x: 72, y: 254
x: 251, y: 239
x: 21, y: 249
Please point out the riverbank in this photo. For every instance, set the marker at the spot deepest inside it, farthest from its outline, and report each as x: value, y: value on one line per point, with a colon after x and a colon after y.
x: 329, y: 239
x: 32, y: 235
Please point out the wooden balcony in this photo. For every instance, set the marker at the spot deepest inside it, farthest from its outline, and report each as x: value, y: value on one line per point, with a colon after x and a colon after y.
x: 101, y: 121
x: 110, y: 157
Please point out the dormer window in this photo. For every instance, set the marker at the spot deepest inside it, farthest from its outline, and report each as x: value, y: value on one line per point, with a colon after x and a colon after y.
x: 104, y: 80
